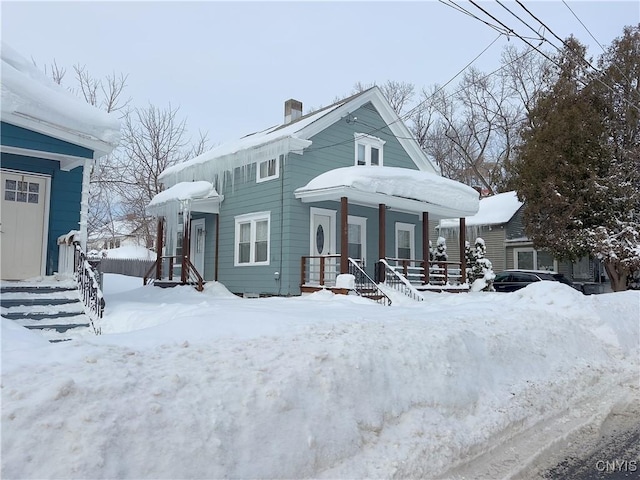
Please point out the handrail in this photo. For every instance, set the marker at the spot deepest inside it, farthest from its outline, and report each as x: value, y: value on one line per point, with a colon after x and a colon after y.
x: 89, y: 288
x: 399, y: 283
x: 437, y: 273
x: 365, y: 286
x: 322, y: 269
x: 192, y: 274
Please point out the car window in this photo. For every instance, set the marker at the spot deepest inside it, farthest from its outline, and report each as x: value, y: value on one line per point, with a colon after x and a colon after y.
x: 502, y: 277
x: 524, y: 277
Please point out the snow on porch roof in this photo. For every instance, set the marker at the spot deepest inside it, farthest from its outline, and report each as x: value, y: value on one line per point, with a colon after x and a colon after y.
x: 398, y: 188
x: 182, y: 195
x: 32, y: 100
x: 493, y: 210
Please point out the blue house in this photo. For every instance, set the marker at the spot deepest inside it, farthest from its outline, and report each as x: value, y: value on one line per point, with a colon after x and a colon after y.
x: 288, y: 209
x: 49, y: 142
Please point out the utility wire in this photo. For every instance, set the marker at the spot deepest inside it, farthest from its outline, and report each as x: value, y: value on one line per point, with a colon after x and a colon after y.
x: 419, y: 105
x: 585, y: 27
x: 595, y: 39
x: 598, y: 72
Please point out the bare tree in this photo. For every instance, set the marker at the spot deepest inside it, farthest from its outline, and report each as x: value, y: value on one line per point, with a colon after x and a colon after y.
x: 154, y: 139
x: 398, y: 94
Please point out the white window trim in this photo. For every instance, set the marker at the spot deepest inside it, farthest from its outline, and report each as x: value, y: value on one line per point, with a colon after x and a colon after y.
x: 535, y: 258
x: 251, y: 218
x: 260, y: 179
x: 368, y: 141
x: 412, y: 236
x: 362, y: 221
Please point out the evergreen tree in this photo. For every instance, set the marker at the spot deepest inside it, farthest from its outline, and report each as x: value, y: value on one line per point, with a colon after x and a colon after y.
x: 479, y: 269
x: 576, y: 169
x: 440, y: 255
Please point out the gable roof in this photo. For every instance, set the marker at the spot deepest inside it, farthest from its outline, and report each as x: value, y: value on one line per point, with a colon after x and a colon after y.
x: 293, y: 138
x: 493, y: 210
x: 33, y: 101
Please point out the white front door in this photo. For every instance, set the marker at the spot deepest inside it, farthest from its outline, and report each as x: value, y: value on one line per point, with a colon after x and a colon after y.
x: 197, y: 244
x: 322, y: 243
x: 23, y: 225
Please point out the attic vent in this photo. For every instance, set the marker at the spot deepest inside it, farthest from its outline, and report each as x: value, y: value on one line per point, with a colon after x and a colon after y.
x: 292, y: 110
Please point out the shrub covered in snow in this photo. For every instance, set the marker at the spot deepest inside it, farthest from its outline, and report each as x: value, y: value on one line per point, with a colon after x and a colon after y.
x: 440, y: 254
x: 479, y: 269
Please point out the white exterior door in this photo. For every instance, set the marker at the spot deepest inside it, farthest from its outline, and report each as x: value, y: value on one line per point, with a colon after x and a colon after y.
x: 23, y: 225
x: 322, y: 243
x: 197, y: 244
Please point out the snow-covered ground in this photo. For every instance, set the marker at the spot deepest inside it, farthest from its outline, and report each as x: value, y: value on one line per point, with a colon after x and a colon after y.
x: 208, y: 385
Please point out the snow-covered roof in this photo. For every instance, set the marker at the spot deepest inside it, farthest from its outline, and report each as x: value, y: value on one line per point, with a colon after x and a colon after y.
x: 398, y: 188
x: 493, y: 210
x: 183, y: 192
x: 292, y: 138
x: 32, y: 100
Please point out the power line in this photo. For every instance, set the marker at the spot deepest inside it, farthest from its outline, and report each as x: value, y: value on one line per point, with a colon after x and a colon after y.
x: 595, y: 76
x: 585, y: 27
x: 419, y: 105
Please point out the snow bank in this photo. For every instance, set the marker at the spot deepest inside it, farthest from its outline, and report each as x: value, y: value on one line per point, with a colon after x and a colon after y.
x: 191, y: 385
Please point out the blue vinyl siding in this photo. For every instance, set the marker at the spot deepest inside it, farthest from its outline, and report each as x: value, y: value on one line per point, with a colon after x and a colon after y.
x: 65, y: 196
x: 14, y: 136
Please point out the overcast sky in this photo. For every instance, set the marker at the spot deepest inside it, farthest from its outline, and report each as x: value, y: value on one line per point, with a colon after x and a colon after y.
x: 229, y: 66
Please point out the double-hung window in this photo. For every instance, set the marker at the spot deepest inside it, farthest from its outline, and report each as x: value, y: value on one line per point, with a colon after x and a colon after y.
x: 252, y: 239
x: 357, y: 238
x: 368, y: 150
x: 268, y: 169
x: 405, y: 240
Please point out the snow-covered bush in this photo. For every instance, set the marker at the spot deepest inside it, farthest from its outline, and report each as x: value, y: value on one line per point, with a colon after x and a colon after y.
x: 440, y: 254
x: 479, y: 269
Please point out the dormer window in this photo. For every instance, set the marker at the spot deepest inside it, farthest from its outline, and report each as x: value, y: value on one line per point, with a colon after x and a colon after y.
x: 268, y: 169
x: 368, y: 150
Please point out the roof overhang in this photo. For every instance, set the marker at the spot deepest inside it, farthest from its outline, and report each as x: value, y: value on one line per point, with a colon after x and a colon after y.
x: 99, y: 147
x: 374, y: 200
x: 186, y: 196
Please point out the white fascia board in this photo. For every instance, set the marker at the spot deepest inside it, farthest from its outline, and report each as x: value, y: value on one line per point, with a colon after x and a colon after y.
x: 99, y: 148
x: 67, y: 162
x: 207, y: 205
x: 373, y: 200
x: 395, y: 124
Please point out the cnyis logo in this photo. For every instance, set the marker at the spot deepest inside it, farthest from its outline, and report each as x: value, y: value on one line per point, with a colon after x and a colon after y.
x: 610, y: 466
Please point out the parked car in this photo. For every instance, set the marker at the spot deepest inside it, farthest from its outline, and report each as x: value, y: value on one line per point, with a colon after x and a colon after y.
x: 512, y: 280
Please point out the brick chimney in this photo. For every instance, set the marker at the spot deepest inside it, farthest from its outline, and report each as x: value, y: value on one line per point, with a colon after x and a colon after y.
x: 292, y: 110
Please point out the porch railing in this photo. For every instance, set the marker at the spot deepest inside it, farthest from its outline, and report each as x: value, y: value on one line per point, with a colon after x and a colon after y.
x: 399, y: 282
x: 319, y: 270
x: 178, y: 268
x: 437, y: 273
x: 365, y: 286
x: 88, y: 285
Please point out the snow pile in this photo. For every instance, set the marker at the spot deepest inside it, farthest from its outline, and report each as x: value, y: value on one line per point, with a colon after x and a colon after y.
x: 29, y: 93
x: 209, y: 385
x: 400, y: 182
x: 128, y: 252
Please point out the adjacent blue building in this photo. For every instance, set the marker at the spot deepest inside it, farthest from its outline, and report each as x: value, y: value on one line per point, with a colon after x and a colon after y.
x: 49, y: 143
